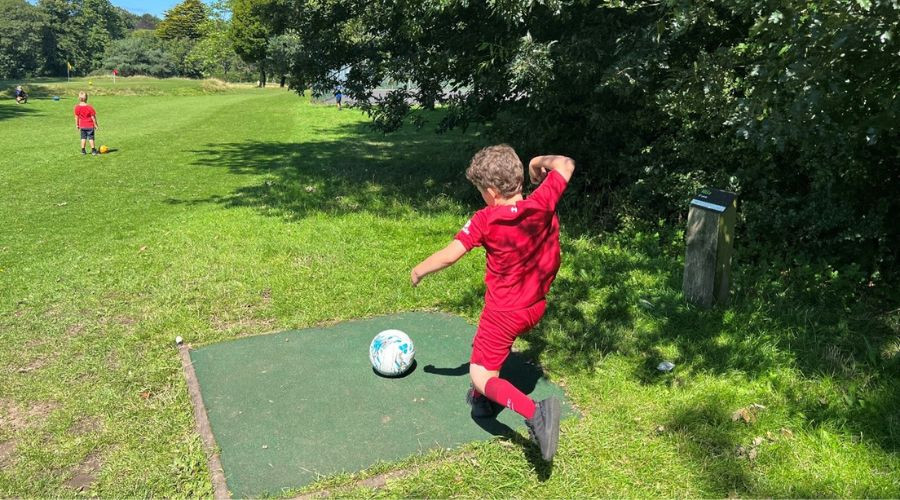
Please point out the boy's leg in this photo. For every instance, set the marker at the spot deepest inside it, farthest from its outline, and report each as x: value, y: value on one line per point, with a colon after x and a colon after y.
x: 493, y: 341
x: 490, y: 348
x: 481, y: 375
x: 500, y: 391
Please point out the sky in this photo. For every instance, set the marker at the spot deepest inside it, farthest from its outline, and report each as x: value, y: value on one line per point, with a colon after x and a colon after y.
x: 155, y: 7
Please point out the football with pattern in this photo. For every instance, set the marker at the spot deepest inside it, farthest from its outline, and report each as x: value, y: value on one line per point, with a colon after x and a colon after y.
x: 392, y: 353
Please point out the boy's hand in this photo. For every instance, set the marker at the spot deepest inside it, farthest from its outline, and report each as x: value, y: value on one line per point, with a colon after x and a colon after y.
x: 536, y: 171
x: 540, y: 166
x: 415, y: 277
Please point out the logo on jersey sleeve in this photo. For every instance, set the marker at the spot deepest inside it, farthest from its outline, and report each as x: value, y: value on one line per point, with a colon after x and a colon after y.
x: 465, y: 227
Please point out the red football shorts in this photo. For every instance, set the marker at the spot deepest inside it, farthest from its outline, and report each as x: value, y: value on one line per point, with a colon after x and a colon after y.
x: 498, y: 329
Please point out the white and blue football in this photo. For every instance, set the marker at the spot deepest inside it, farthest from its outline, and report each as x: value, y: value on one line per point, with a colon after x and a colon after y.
x: 392, y: 353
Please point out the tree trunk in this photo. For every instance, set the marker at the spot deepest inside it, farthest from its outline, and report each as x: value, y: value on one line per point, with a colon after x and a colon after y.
x: 262, y: 77
x: 283, y: 78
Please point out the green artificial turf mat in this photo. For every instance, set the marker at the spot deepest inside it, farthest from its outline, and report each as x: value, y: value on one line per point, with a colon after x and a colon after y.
x: 290, y: 407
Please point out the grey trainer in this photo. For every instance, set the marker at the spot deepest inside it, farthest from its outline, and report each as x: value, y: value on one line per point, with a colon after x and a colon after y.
x: 544, y: 426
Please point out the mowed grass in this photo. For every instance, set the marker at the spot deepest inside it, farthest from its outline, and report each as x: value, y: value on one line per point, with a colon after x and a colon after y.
x: 245, y: 211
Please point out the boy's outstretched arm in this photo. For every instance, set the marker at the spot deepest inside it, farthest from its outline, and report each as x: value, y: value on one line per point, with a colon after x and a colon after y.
x: 439, y: 260
x: 540, y: 166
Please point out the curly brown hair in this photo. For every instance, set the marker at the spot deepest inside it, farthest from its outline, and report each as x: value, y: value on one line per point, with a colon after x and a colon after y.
x: 497, y: 167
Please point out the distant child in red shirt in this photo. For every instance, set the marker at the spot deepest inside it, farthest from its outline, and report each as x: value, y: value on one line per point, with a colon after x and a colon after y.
x: 521, y: 239
x: 86, y: 121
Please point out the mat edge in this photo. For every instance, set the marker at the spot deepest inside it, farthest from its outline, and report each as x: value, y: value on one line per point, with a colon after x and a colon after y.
x: 202, y: 426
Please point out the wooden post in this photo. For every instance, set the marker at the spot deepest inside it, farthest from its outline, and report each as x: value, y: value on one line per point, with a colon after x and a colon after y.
x: 710, y: 241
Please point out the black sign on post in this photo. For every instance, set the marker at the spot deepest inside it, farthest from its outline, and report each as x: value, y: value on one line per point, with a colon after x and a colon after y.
x: 714, y: 199
x: 710, y: 242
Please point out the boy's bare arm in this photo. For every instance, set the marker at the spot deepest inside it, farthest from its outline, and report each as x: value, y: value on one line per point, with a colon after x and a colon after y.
x: 439, y: 260
x: 540, y: 166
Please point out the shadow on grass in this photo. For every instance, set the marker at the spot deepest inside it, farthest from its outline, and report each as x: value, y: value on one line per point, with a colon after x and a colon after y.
x: 12, y: 110
x: 542, y: 468
x: 713, y: 438
x: 356, y: 170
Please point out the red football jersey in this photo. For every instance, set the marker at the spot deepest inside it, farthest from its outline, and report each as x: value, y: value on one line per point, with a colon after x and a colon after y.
x: 85, y: 116
x: 522, y: 246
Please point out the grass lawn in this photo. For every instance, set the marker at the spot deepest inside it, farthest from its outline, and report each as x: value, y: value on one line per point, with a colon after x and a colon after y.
x: 235, y: 211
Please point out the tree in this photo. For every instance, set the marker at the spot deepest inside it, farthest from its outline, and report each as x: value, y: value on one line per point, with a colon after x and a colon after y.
x: 180, y: 49
x: 60, y: 45
x: 250, y: 35
x: 253, y: 23
x: 78, y: 32
x: 130, y: 19
x: 139, y: 22
x: 181, y: 30
x: 97, y: 22
x: 184, y: 21
x: 281, y: 52
x: 21, y: 38
x: 146, y: 22
x: 214, y: 54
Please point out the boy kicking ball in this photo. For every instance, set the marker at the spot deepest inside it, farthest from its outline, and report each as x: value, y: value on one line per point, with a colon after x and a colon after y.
x: 521, y: 239
x: 86, y: 122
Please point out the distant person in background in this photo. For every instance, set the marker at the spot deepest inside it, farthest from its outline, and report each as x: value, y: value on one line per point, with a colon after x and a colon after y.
x: 21, y: 96
x: 86, y: 122
x: 337, y: 97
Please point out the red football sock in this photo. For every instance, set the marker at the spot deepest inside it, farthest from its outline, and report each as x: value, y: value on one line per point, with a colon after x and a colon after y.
x: 503, y: 393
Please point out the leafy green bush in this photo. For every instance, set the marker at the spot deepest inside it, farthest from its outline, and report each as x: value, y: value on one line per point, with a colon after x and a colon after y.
x: 140, y: 55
